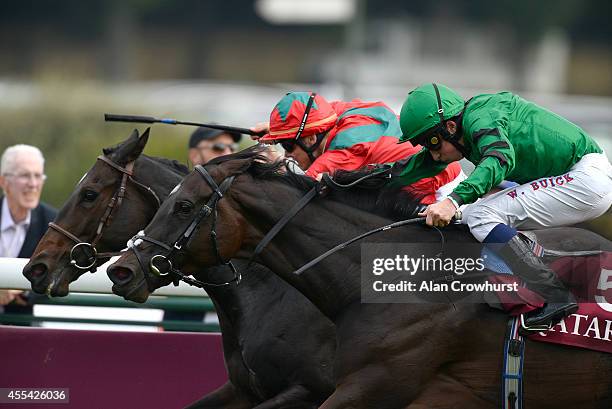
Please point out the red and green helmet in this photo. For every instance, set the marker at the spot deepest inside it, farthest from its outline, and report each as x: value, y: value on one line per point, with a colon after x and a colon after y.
x: 292, y: 110
x: 426, y: 107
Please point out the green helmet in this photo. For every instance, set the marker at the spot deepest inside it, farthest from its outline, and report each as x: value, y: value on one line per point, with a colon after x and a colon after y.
x: 421, y: 110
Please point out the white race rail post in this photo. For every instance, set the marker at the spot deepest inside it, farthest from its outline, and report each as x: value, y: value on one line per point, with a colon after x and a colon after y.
x: 12, y: 278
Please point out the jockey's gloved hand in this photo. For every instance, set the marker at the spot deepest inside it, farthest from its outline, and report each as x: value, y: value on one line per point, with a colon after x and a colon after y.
x: 261, y: 129
x: 439, y: 214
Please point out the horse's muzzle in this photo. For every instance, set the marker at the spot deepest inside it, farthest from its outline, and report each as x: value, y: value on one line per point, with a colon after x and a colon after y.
x: 37, y: 274
x: 120, y: 275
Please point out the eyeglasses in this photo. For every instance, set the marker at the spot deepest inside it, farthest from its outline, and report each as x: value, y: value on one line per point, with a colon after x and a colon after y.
x: 26, y: 177
x: 221, y: 147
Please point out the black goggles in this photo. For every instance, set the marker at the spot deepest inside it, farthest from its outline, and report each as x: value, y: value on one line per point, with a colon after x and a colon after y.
x: 432, y: 140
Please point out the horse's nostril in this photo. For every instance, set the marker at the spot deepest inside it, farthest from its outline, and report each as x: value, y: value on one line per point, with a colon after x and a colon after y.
x: 120, y: 275
x: 38, y: 271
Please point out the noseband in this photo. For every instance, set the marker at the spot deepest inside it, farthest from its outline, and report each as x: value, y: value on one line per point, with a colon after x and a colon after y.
x: 164, y: 265
x: 89, y: 249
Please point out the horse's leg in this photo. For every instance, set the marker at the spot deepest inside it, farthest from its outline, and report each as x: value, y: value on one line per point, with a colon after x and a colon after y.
x: 342, y: 398
x: 356, y: 396
x: 294, y: 397
x: 373, y: 388
x: 224, y: 397
x: 445, y: 392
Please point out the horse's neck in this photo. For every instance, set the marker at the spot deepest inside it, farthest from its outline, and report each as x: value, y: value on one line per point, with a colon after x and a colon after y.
x: 335, y: 282
x: 239, y: 306
x: 160, y: 177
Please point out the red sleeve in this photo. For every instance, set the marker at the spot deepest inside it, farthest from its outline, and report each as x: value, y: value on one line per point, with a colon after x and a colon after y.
x: 427, y: 187
x: 346, y: 159
x: 447, y: 175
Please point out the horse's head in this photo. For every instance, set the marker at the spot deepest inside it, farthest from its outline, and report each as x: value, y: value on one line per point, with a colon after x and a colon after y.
x: 197, y: 226
x: 96, y: 217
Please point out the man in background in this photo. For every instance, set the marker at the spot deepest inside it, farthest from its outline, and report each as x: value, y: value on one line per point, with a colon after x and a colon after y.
x: 23, y: 217
x: 206, y: 144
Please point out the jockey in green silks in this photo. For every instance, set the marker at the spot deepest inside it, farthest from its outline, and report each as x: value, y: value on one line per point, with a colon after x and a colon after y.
x: 564, y: 177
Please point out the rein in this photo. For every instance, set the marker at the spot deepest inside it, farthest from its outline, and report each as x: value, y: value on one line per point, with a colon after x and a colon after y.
x: 319, y: 189
x: 382, y: 170
x: 89, y: 248
x: 312, y: 263
x: 312, y: 193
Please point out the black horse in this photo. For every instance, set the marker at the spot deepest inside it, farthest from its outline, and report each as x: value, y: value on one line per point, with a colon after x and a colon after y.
x: 271, y: 363
x: 417, y: 355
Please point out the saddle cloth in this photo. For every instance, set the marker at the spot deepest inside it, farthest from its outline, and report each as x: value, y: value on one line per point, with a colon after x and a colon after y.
x: 590, y: 280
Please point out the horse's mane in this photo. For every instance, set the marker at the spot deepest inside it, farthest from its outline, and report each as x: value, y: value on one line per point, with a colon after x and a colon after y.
x: 173, y: 164
x: 374, y: 194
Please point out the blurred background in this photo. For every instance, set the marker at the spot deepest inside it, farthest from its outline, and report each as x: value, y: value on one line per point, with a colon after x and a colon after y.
x: 64, y: 63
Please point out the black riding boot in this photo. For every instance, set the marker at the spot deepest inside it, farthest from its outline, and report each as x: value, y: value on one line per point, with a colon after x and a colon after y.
x: 538, y: 277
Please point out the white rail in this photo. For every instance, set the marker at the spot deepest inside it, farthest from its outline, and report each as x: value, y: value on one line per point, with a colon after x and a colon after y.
x: 12, y: 278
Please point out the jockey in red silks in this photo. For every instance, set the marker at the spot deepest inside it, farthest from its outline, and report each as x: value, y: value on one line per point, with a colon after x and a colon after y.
x: 323, y: 137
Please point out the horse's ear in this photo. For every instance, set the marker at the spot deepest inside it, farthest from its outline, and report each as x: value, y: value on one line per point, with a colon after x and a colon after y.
x: 134, y: 153
x: 130, y: 149
x: 113, y: 150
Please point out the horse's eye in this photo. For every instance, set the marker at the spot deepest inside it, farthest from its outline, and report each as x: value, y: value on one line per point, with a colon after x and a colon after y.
x: 183, y: 207
x: 90, y: 195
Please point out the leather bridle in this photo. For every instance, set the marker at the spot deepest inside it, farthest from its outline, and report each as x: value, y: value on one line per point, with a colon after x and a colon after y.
x: 169, y: 264
x: 89, y: 248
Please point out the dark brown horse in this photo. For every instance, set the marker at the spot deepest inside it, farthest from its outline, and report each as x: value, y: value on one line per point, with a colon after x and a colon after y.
x: 103, y: 210
x: 260, y: 355
x: 389, y: 355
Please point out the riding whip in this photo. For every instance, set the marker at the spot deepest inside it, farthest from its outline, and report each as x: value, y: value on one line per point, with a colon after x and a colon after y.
x: 417, y: 220
x: 150, y: 120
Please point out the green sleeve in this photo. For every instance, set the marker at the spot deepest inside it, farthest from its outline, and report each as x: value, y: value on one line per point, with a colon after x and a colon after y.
x: 494, y: 157
x: 414, y: 168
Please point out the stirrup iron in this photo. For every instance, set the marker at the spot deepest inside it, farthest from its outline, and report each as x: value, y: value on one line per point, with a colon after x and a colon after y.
x: 533, y: 328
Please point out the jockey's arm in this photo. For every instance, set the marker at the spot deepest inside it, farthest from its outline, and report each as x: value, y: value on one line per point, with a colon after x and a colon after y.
x: 331, y: 161
x: 495, y: 160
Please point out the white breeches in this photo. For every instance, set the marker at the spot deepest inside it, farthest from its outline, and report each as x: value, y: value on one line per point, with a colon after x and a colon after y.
x: 583, y: 193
